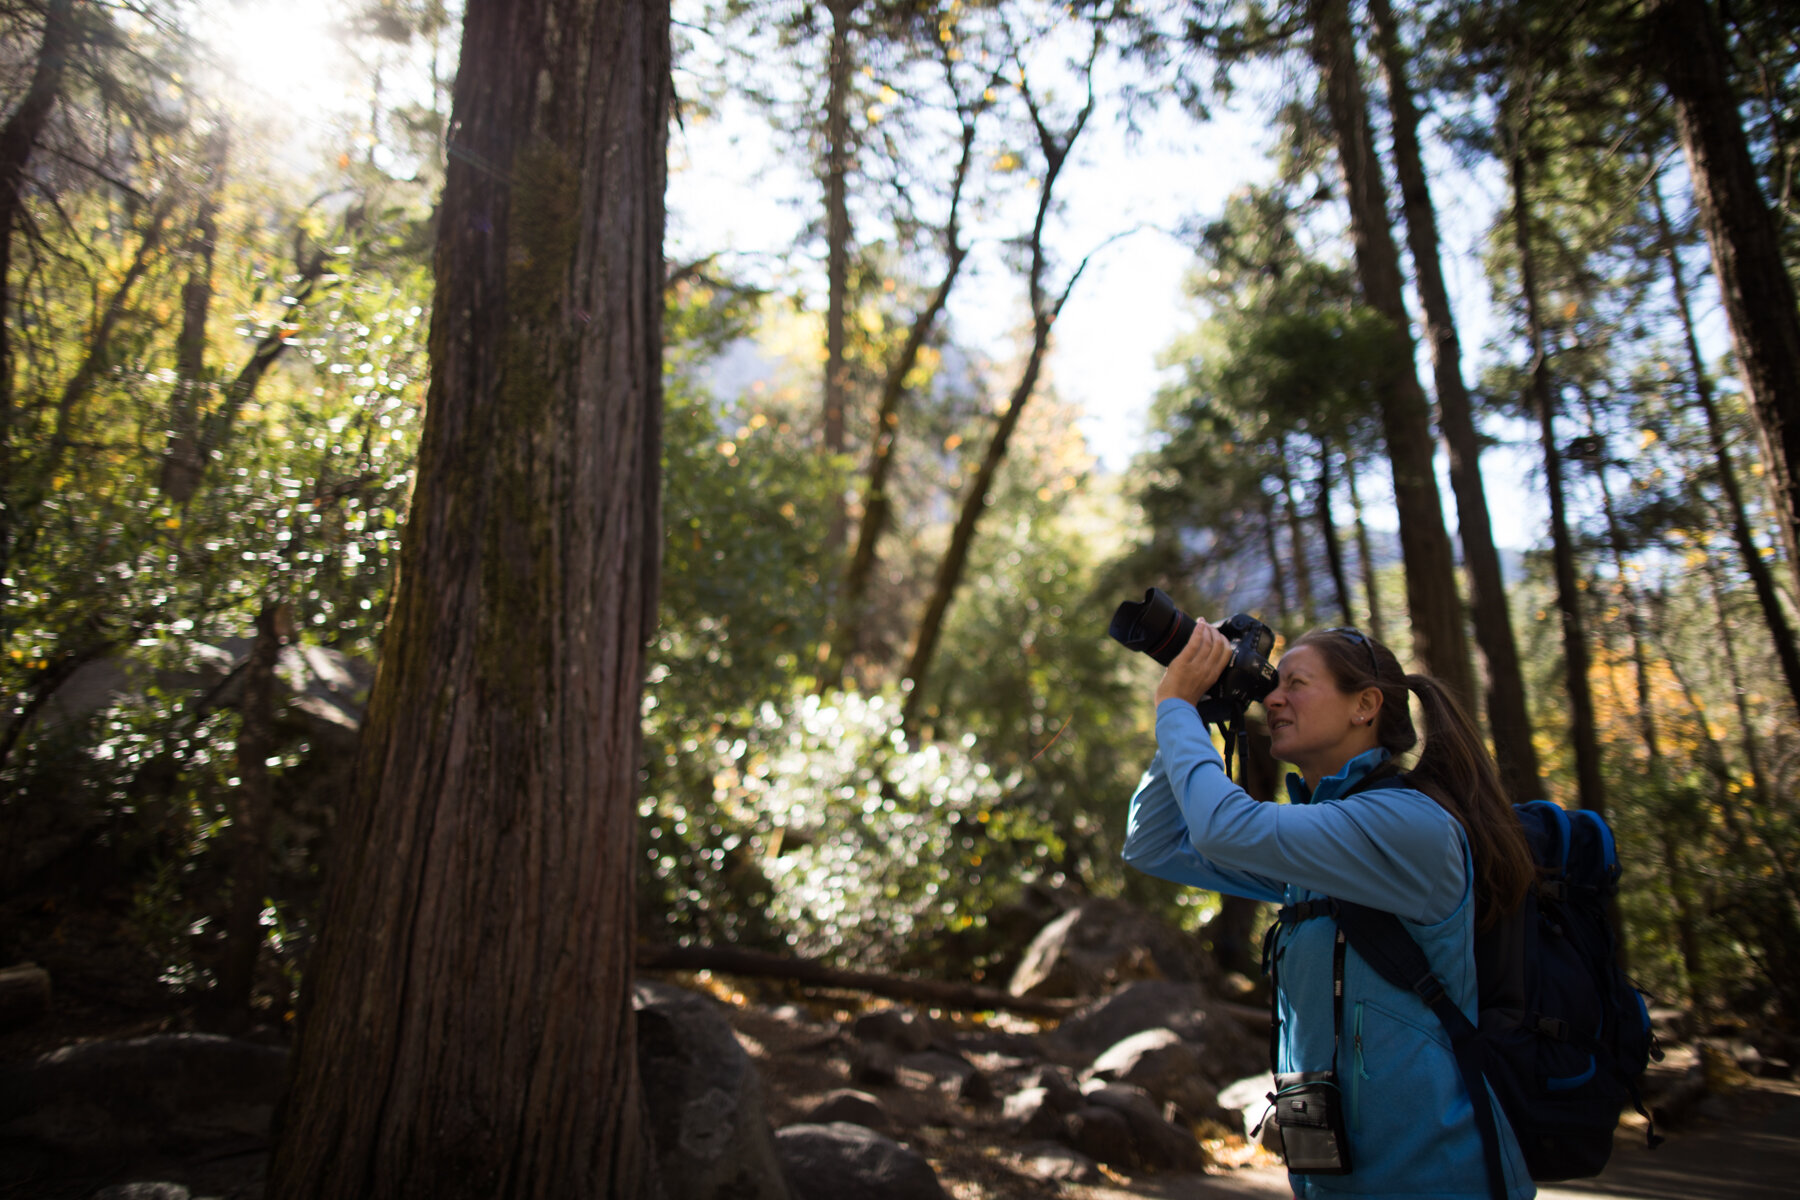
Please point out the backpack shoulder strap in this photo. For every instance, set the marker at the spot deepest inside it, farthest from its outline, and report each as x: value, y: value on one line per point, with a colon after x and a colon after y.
x: 1392, y: 953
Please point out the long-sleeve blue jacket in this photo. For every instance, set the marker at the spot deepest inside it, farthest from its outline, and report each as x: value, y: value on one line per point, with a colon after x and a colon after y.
x: 1410, y: 1123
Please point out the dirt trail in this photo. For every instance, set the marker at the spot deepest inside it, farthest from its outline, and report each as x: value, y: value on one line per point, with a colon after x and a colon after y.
x: 1748, y: 1148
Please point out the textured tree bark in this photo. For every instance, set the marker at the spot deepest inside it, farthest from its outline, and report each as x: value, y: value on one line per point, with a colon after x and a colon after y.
x: 1508, y: 720
x: 1582, y: 730
x: 1433, y: 602
x: 1689, y: 49
x: 467, y: 1028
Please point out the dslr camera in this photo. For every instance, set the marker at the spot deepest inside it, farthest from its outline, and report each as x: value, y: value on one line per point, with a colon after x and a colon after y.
x: 1156, y: 627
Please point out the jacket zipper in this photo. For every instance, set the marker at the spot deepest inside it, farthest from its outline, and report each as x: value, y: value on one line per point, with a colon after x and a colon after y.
x: 1359, y: 1073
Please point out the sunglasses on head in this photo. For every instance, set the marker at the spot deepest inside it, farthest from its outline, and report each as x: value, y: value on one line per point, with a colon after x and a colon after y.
x: 1361, y: 639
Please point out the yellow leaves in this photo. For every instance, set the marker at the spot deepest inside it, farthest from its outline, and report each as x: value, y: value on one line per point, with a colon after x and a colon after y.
x: 172, y: 523
x: 727, y: 448
x: 1007, y: 162
x: 953, y: 441
x: 1647, y: 438
x: 789, y: 512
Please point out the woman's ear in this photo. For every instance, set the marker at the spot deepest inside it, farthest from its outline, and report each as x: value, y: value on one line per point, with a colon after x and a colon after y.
x: 1368, y: 706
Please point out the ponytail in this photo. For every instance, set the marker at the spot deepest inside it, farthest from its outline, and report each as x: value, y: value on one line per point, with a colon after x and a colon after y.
x: 1457, y: 771
x: 1455, y: 768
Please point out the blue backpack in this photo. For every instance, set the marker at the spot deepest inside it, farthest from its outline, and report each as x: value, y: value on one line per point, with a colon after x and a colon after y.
x: 1563, y: 1034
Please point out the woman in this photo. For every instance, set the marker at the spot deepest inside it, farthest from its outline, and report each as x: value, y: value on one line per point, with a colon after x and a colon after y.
x: 1440, y: 848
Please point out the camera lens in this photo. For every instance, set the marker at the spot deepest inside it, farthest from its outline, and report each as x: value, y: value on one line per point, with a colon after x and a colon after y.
x: 1153, y: 626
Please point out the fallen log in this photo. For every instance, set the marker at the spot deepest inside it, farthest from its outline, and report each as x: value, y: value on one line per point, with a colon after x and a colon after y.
x: 731, y: 960
x: 24, y: 994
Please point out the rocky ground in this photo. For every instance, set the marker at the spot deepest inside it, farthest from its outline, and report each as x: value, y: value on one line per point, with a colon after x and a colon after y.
x: 998, y: 1109
x: 111, y: 1096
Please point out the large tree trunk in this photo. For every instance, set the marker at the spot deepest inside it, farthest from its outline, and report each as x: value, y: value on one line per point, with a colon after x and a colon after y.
x: 1758, y: 292
x: 1334, y: 546
x: 1761, y: 577
x: 1296, y: 529
x: 468, y: 1028
x: 1366, y: 552
x: 1506, y: 713
x: 1582, y: 729
x: 252, y: 803
x: 837, y: 239
x: 1433, y: 602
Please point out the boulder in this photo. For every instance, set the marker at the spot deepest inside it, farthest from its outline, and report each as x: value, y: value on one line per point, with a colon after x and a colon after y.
x: 907, y: 1031
x: 854, y: 1107
x: 1159, y: 1145
x: 1228, y: 1047
x: 831, y: 1162
x: 1054, y: 1163
x: 1102, y: 1134
x: 874, y: 1063
x: 705, y: 1100
x: 1101, y: 943
x: 168, y: 1090
x: 1037, y: 1109
x: 1171, y: 1069
x: 951, y: 1074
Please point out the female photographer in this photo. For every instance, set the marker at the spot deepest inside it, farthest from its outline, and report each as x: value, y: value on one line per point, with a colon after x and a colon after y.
x: 1439, y: 847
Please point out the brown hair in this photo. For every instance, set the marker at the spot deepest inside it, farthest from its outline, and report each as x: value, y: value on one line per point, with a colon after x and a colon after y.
x: 1455, y: 768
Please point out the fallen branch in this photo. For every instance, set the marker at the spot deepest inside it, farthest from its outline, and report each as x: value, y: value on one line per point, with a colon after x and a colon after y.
x: 732, y: 961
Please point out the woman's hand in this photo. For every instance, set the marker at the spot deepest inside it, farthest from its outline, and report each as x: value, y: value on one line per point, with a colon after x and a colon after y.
x: 1198, y: 666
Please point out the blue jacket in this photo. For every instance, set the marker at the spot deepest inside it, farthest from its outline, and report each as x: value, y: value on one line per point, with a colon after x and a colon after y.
x: 1411, y: 1126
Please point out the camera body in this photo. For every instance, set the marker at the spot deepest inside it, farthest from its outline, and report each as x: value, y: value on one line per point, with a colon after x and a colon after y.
x: 1158, y: 628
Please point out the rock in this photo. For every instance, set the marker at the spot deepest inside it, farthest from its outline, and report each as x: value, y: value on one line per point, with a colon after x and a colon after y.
x: 874, y: 1063
x: 853, y: 1107
x: 949, y: 1073
x: 143, y: 1191
x: 1101, y: 943
x: 905, y: 1030
x: 1250, y: 1098
x: 168, y: 1090
x: 1103, y: 1134
x: 1159, y: 1144
x: 705, y: 1100
x: 1229, y: 1050
x: 1054, y: 1163
x: 840, y: 1160
x: 1169, y: 1068
x: 1031, y: 1113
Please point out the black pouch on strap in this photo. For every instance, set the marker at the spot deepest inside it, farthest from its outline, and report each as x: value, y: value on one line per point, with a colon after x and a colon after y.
x: 1310, y: 1111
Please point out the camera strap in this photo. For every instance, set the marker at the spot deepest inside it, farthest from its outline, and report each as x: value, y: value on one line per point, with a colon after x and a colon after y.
x: 1236, y: 737
x: 1292, y: 915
